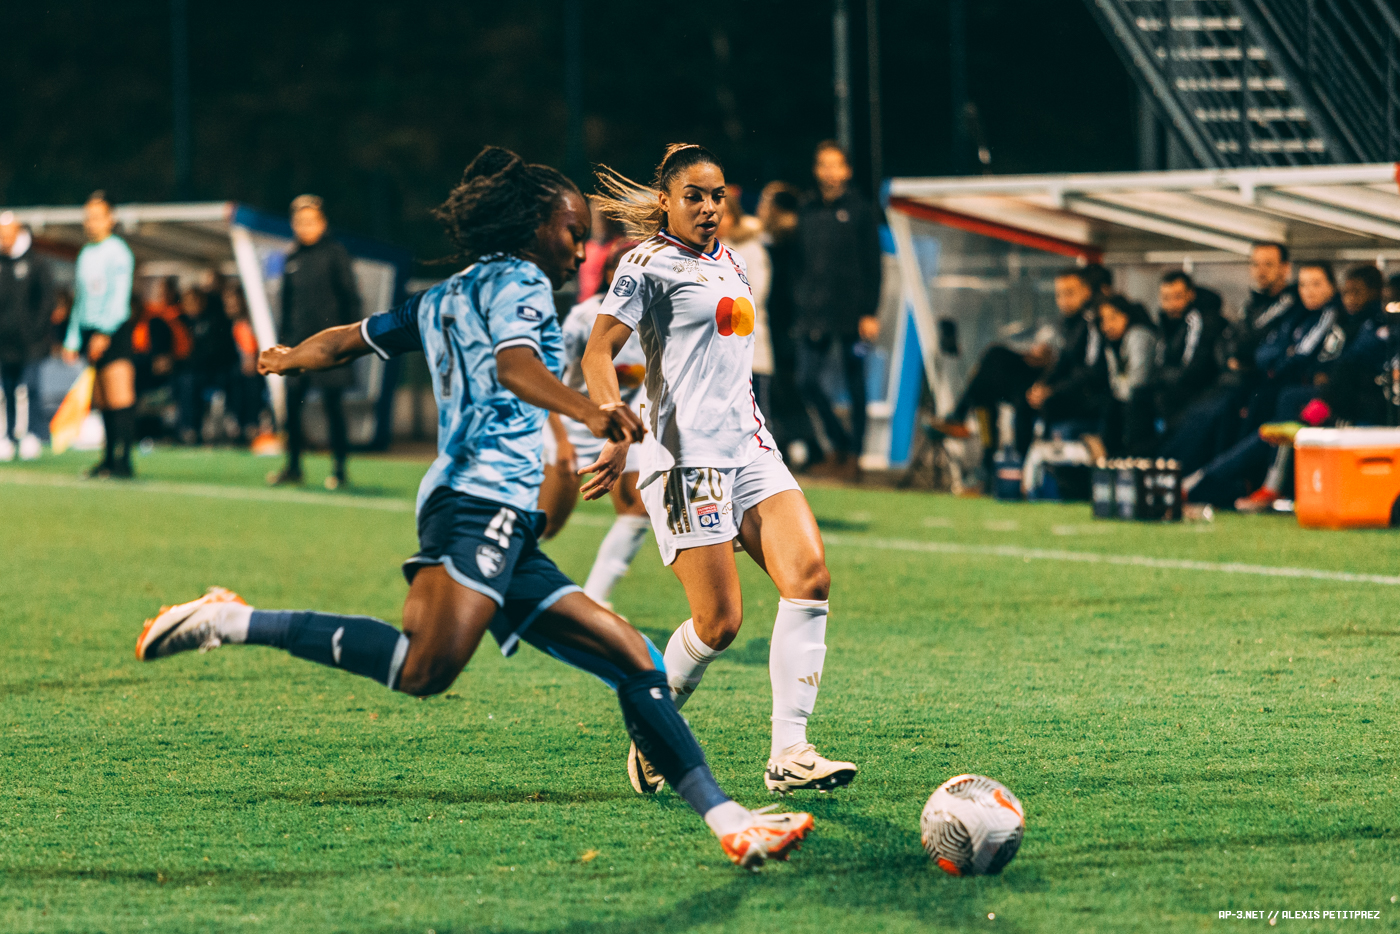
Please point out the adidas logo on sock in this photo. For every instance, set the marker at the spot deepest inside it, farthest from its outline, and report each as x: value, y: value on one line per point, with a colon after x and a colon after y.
x: 814, y: 679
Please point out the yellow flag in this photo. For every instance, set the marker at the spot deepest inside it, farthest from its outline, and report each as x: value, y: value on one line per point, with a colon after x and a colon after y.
x: 63, y: 430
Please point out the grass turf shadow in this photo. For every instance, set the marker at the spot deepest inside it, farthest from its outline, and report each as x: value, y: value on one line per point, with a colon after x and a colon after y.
x: 884, y: 871
x: 369, y: 797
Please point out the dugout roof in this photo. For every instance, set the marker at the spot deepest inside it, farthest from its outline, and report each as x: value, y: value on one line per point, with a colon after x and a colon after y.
x: 1345, y: 212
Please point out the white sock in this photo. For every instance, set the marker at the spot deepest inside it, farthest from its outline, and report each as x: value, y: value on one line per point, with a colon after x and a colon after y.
x: 21, y: 411
x: 686, y: 660
x: 729, y: 817
x: 615, y: 555
x: 795, y: 668
x: 232, y: 623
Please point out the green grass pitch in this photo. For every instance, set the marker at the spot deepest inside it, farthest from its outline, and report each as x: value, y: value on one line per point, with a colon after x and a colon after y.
x: 1186, y: 741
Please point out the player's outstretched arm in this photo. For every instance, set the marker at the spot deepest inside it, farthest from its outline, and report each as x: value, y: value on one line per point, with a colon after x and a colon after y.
x: 520, y: 371
x: 608, y: 337
x: 329, y: 348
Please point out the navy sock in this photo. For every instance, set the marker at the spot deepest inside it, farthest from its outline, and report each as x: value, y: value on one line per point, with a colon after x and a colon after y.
x: 664, y: 738
x: 360, y: 644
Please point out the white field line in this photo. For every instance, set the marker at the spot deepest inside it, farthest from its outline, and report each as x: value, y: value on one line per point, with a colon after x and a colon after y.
x: 386, y: 504
x: 237, y: 493
x: 1085, y: 557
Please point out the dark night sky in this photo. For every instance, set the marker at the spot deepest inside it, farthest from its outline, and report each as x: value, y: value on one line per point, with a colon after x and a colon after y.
x: 378, y: 106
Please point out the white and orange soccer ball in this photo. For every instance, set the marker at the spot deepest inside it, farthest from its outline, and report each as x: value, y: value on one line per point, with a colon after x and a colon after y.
x: 972, y: 826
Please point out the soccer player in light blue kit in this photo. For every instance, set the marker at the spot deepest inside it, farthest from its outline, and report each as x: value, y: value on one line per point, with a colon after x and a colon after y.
x: 100, y: 330
x: 495, y: 348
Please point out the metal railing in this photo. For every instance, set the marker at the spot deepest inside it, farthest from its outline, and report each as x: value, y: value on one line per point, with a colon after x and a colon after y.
x: 1267, y: 82
x: 1347, y: 54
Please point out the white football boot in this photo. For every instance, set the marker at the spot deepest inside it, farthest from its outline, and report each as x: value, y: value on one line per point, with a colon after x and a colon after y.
x: 642, y: 774
x: 7, y: 448
x: 30, y: 447
x: 801, y: 767
x: 192, y: 625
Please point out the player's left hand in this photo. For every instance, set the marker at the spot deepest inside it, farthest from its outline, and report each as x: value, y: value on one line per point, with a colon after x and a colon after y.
x: 607, y: 470
x: 272, y: 360
x: 97, y: 346
x: 869, y: 328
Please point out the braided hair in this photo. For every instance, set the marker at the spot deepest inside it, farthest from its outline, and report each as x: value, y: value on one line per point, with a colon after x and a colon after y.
x: 635, y: 206
x: 500, y: 203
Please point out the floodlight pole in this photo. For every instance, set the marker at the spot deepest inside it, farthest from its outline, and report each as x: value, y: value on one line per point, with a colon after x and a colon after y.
x: 841, y: 51
x: 957, y: 75
x: 872, y: 45
x: 574, y: 160
x: 180, y: 94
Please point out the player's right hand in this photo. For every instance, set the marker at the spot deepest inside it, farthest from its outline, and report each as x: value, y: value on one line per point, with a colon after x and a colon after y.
x: 606, y: 470
x: 617, y: 422
x: 271, y: 360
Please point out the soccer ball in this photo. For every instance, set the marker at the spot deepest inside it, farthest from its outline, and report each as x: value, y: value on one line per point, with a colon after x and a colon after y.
x: 972, y: 826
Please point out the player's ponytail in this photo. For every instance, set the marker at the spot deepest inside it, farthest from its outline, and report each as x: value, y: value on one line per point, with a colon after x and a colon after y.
x: 636, y: 207
x: 500, y: 203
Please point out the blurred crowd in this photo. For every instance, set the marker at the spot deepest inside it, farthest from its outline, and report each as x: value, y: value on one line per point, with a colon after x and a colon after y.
x: 1222, y: 397
x: 195, y: 357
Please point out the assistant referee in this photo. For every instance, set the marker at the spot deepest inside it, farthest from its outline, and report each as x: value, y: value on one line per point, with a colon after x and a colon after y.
x: 99, y: 330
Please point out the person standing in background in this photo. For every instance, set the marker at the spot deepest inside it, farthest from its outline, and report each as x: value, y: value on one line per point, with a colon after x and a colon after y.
x: 212, y: 355
x: 246, y: 387
x: 778, y: 210
x: 99, y: 329
x: 318, y: 292
x: 26, y: 304
x: 743, y: 233
x: 837, y: 293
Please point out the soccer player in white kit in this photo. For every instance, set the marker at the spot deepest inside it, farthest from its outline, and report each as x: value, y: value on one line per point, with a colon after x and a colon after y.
x: 559, y: 492
x: 710, y: 472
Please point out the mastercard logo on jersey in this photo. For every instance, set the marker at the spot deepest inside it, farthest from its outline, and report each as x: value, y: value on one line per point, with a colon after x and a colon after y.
x: 734, y: 316
x: 630, y: 375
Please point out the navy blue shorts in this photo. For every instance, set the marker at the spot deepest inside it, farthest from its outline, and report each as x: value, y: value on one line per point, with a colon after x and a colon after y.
x: 494, y: 550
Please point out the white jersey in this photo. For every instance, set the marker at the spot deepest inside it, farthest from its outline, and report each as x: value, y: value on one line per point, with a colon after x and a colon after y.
x: 630, y: 364
x: 694, y: 314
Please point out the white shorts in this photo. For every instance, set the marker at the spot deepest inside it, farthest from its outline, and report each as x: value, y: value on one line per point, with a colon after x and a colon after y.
x: 694, y: 506
x: 586, y: 449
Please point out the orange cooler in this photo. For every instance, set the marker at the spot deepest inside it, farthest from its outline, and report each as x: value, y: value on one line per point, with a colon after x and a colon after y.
x: 1347, y: 478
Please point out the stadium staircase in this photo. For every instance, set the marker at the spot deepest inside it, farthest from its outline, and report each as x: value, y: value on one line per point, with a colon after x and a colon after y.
x: 1266, y: 82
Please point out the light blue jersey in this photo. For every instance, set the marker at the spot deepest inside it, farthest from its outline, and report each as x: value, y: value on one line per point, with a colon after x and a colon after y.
x: 488, y: 439
x: 102, y: 290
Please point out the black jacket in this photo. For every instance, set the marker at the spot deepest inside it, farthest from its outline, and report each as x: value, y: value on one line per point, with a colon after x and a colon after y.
x: 1072, y: 367
x: 1187, y: 364
x: 1263, y: 314
x: 1304, y: 345
x: 212, y: 334
x: 26, y: 302
x: 1356, y: 381
x: 319, y: 292
x: 838, y: 279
